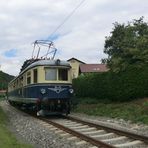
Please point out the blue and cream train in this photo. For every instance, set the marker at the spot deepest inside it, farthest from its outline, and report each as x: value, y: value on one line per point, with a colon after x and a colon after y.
x: 43, y: 85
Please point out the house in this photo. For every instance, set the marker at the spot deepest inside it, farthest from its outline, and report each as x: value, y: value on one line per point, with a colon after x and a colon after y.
x: 79, y: 67
x: 3, y: 92
x: 75, y: 64
x: 93, y: 68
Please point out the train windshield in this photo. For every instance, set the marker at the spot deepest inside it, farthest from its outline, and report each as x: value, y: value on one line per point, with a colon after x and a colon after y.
x: 56, y: 74
x: 50, y: 74
x: 63, y: 74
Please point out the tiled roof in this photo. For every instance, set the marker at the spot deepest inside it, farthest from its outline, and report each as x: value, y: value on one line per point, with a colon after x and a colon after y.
x: 2, y: 91
x: 75, y: 59
x: 85, y: 68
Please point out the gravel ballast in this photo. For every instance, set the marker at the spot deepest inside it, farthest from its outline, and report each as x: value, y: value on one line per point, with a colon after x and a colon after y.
x: 38, y: 133
x: 137, y: 128
x: 33, y: 131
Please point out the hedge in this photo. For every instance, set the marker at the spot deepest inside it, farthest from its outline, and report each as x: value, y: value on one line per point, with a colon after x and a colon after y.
x: 123, y: 86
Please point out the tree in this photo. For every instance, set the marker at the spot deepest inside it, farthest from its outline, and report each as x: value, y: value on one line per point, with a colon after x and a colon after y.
x: 127, y: 45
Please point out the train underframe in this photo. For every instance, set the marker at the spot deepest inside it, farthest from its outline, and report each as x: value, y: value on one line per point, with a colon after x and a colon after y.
x: 46, y: 106
x: 53, y: 106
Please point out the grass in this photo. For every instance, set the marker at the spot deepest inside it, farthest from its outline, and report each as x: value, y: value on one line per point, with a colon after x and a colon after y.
x: 7, y: 139
x: 135, y: 111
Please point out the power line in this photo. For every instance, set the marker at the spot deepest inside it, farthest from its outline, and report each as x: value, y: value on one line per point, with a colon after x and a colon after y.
x: 66, y: 18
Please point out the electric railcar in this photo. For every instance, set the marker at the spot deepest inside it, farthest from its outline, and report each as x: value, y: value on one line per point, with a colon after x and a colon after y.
x: 44, y: 85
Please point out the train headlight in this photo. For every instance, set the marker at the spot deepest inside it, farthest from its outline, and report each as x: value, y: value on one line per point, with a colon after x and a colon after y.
x: 71, y: 91
x: 43, y: 91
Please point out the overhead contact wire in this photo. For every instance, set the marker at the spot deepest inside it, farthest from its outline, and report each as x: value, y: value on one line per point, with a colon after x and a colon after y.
x: 67, y: 18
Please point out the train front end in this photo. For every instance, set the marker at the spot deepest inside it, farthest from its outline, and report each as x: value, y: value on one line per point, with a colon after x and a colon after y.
x: 54, y: 89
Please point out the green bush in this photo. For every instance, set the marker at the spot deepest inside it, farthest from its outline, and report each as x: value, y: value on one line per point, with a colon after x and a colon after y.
x: 123, y: 86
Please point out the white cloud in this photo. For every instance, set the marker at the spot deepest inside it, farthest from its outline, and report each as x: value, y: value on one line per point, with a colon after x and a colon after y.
x: 82, y: 36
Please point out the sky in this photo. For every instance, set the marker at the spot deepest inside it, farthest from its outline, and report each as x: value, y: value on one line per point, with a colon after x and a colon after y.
x: 82, y: 36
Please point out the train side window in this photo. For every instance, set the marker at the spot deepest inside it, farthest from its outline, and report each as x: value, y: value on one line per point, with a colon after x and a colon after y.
x: 21, y: 81
x: 50, y: 74
x: 13, y: 85
x: 28, y: 77
x: 63, y: 74
x: 35, y: 76
x: 17, y: 83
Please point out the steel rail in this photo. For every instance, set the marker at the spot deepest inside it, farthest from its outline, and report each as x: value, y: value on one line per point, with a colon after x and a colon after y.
x: 117, y: 131
x: 78, y: 134
x: 87, y: 138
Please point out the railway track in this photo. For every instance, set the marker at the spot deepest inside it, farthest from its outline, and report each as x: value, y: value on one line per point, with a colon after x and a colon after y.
x: 97, y: 135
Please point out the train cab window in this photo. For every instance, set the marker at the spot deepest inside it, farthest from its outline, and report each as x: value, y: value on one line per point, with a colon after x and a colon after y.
x: 28, y: 77
x: 35, y: 76
x: 50, y: 74
x: 63, y: 74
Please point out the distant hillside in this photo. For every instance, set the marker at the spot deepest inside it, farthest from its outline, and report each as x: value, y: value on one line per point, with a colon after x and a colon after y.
x: 5, y: 79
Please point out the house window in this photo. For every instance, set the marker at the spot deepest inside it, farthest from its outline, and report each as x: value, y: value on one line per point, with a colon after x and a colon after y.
x: 35, y: 76
x: 63, y: 74
x: 50, y: 74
